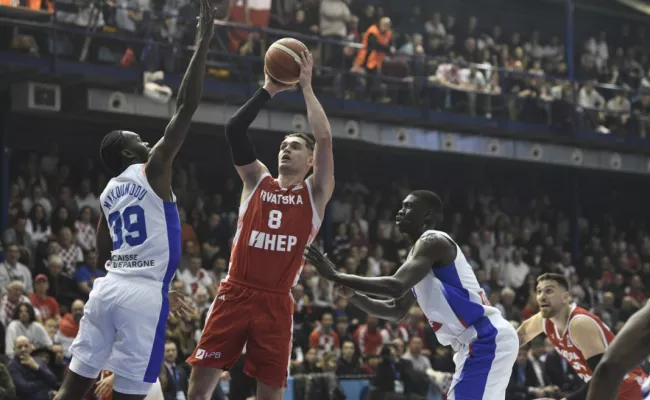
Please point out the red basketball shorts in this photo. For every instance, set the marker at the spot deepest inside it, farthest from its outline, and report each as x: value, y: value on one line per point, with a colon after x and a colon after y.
x: 263, y: 321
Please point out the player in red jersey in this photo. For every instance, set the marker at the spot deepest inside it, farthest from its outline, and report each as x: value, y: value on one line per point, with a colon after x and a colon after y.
x: 579, y: 336
x: 278, y: 218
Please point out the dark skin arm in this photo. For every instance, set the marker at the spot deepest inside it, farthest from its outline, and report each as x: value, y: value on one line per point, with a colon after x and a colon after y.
x: 429, y: 251
x: 159, y: 166
x: 104, y: 241
x: 393, y: 310
x: 628, y: 350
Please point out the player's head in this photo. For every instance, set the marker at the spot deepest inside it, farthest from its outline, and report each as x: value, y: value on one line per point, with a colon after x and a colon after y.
x: 296, y: 156
x: 552, y: 294
x: 419, y: 209
x: 119, y: 149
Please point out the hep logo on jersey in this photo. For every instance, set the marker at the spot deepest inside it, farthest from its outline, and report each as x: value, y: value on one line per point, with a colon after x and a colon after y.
x: 201, y: 354
x: 269, y: 241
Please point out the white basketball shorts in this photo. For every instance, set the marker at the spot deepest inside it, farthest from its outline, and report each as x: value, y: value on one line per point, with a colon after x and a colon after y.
x: 123, y: 330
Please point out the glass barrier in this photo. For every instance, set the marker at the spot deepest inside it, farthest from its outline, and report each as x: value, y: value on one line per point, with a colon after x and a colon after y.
x: 511, y: 78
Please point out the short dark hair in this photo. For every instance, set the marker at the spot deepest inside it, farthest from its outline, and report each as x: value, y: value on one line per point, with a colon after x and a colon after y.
x: 551, y: 276
x: 309, y: 140
x: 110, y: 151
x: 429, y: 198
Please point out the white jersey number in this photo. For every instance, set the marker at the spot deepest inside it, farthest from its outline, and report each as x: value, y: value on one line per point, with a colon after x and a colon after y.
x: 275, y: 219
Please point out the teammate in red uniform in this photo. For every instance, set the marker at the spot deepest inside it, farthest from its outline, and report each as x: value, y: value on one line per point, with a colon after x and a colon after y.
x: 278, y: 218
x: 579, y: 336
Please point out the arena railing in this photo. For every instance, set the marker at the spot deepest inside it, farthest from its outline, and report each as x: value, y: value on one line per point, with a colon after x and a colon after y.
x: 543, y: 105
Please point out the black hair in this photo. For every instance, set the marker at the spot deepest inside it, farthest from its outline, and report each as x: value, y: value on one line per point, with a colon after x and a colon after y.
x: 30, y: 311
x: 559, y: 278
x: 110, y: 151
x: 429, y: 198
x: 309, y: 140
x: 42, y: 224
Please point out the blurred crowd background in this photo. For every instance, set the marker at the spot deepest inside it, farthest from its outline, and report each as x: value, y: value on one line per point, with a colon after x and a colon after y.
x: 500, y: 59
x: 474, y: 59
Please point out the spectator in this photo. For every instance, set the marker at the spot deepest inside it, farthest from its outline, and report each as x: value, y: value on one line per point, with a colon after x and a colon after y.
x: 33, y: 379
x: 516, y: 271
x: 37, y: 225
x: 7, y: 387
x: 510, y: 310
x: 37, y: 198
x: 323, y: 338
x: 85, y: 232
x: 70, y: 253
x: 195, y: 277
x: 19, y: 236
x: 377, y: 43
x: 61, y: 219
x: 24, y: 324
x: 334, y: 17
x: 393, y: 331
x: 12, y: 270
x: 86, y: 198
x: 368, y: 336
x: 523, y: 380
x: 69, y: 327
x: 174, y: 379
x: 46, y: 305
x: 87, y: 273
x: 61, y: 287
x: 15, y: 296
x: 348, y: 363
x: 414, y: 355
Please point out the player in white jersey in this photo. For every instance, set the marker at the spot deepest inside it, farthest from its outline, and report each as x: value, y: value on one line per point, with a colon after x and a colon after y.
x: 630, y: 347
x: 139, y: 234
x: 437, y: 276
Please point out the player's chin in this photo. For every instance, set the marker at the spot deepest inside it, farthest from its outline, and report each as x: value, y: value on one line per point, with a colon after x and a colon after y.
x: 546, y: 312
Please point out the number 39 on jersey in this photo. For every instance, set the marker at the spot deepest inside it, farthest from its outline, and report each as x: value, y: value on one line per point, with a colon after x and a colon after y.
x: 270, y: 240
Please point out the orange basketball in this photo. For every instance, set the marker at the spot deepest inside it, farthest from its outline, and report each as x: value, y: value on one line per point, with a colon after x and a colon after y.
x: 281, y: 60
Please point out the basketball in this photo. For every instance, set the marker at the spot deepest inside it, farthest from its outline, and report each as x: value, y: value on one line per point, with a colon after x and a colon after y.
x: 282, y: 60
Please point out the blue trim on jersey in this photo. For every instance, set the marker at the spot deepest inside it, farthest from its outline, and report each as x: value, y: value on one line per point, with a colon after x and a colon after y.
x: 457, y: 296
x: 174, y: 243
x: 474, y: 376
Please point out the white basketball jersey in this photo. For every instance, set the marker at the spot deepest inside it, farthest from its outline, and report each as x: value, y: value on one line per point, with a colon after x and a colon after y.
x: 145, y: 229
x: 452, y: 300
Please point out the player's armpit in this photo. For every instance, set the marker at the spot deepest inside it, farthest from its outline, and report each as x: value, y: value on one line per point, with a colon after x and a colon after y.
x: 587, y: 336
x: 530, y: 329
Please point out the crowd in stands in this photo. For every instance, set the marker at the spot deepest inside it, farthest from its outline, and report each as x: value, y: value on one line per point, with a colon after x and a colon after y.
x: 49, y: 264
x: 416, y: 55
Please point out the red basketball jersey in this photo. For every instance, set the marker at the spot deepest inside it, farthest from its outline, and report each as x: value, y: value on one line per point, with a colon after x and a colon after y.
x: 274, y: 227
x: 567, y: 349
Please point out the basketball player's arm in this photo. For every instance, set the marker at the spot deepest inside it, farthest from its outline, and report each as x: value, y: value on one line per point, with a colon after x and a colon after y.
x: 393, y: 310
x: 629, y: 349
x: 588, y: 338
x: 187, y: 101
x: 530, y: 329
x: 428, y: 251
x: 104, y: 241
x: 323, y: 177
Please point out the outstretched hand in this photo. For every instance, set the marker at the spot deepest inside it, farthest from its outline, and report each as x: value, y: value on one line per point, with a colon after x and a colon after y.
x: 179, y: 305
x: 320, y: 261
x: 207, y: 15
x: 306, y: 68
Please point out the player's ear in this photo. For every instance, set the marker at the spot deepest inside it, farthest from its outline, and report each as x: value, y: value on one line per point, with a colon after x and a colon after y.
x: 128, y: 154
